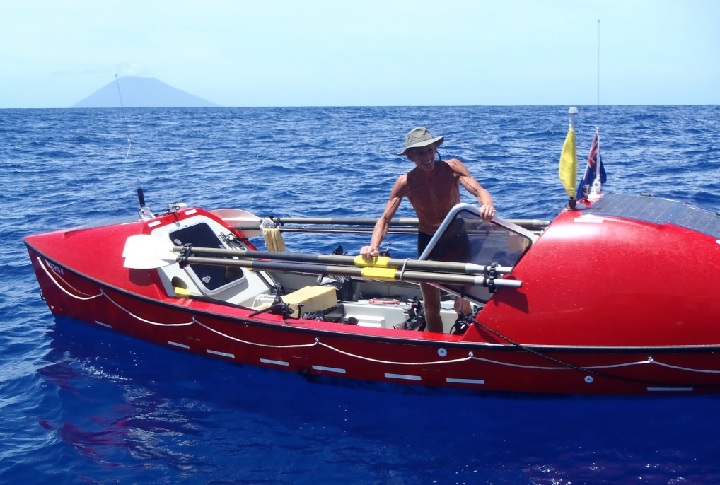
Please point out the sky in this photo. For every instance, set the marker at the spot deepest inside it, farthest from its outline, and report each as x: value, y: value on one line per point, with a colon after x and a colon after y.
x: 366, y: 52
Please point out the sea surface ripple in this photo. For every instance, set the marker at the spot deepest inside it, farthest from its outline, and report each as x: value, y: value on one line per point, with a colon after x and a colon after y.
x: 84, y: 405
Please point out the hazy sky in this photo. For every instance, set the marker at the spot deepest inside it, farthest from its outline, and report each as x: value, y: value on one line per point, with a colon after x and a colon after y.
x: 369, y: 52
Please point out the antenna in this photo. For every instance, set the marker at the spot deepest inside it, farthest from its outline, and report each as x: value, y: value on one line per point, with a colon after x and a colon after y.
x: 597, y: 185
x: 145, y: 212
x: 122, y: 110
x: 598, y: 69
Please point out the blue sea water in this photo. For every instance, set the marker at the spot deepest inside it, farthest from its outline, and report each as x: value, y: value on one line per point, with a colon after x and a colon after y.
x: 80, y: 404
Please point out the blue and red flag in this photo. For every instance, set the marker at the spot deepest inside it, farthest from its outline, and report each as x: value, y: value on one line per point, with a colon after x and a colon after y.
x: 590, y: 169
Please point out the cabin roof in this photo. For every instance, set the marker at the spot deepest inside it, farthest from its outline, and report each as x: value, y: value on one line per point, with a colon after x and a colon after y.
x: 657, y: 211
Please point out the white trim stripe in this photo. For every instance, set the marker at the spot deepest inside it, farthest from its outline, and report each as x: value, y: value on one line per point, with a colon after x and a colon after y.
x: 175, y: 344
x: 221, y: 354
x: 276, y: 362
x: 456, y: 380
x: 406, y: 377
x: 670, y: 389
x: 589, y: 218
x: 336, y: 370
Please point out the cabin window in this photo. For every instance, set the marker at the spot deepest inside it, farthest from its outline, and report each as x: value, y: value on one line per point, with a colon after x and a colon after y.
x: 467, y: 238
x: 211, y: 277
x: 470, y: 239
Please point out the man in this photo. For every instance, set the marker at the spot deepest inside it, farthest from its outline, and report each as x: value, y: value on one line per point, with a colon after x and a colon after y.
x: 432, y: 189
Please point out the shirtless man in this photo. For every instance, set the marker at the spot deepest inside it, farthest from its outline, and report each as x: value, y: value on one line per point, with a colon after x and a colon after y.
x: 432, y: 189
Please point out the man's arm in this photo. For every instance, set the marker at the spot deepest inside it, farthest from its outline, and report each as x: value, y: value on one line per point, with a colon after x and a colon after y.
x: 383, y: 223
x: 487, y: 208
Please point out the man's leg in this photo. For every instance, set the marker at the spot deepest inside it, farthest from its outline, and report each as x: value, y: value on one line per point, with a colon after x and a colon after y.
x: 462, y: 306
x: 431, y: 302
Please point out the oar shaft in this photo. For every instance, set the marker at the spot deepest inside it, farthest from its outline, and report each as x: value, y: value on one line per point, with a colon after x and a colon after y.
x: 383, y: 274
x: 377, y: 262
x: 532, y: 224
x: 331, y: 230
x: 357, y: 221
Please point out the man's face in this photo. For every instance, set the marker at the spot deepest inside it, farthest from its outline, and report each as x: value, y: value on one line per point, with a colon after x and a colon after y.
x: 423, y: 157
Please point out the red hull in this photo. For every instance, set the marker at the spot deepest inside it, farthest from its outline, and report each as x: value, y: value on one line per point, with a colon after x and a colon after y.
x: 644, y: 321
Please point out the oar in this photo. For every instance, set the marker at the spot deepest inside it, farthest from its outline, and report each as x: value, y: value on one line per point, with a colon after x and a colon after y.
x: 531, y: 224
x: 373, y: 273
x: 252, y: 231
x: 358, y: 261
x: 150, y: 249
x: 251, y: 225
x: 248, y: 221
x: 357, y: 221
x: 143, y: 251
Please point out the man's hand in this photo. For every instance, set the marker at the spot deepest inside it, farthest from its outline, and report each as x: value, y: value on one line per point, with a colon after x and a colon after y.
x: 369, y: 252
x: 487, y: 211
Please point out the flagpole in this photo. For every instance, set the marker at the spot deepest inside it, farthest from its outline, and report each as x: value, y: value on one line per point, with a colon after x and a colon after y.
x: 567, y: 168
x: 573, y: 112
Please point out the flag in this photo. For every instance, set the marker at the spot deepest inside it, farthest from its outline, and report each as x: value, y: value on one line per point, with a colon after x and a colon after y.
x: 567, y: 171
x: 591, y: 167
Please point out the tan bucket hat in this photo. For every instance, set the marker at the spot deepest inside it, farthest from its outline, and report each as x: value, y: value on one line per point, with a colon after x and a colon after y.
x: 420, y: 137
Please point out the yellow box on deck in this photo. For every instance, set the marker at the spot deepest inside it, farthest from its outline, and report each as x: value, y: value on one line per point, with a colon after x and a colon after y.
x: 312, y: 299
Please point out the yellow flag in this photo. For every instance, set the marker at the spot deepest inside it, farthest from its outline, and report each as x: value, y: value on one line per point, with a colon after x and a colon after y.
x: 568, y: 164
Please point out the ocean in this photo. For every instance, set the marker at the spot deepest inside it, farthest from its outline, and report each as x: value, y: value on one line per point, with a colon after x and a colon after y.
x: 81, y: 404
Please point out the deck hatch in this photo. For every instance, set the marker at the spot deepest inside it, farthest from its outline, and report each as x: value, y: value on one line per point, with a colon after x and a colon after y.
x: 211, y: 277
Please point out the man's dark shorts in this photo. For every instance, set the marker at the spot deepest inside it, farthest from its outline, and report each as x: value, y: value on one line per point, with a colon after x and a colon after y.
x: 452, y: 246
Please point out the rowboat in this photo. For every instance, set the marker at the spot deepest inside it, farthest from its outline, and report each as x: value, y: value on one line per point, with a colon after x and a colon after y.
x: 620, y: 297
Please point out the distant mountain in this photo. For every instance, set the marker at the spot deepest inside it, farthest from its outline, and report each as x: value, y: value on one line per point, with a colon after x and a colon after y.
x: 141, y: 92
